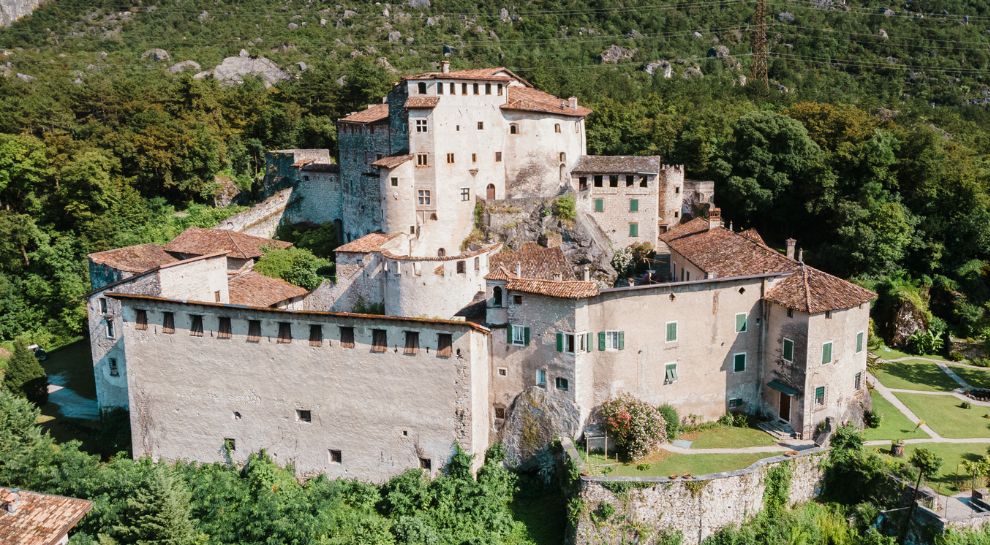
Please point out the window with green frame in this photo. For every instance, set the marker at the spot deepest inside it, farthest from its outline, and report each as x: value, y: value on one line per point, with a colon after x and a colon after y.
x: 820, y: 395
x: 599, y: 205
x: 634, y: 205
x: 671, y: 332
x: 827, y: 352
x: 670, y: 373
x: 634, y: 229
x: 742, y: 321
x: 859, y: 342
x: 788, y: 350
x: 739, y: 362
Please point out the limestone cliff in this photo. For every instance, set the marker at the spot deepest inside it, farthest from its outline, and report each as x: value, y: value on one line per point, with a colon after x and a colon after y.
x: 12, y: 10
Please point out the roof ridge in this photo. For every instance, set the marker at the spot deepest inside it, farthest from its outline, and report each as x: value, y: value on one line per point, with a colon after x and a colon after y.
x: 230, y: 237
x: 807, y: 289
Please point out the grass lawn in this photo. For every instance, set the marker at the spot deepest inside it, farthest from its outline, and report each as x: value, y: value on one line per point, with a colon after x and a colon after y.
x: 950, y: 478
x: 914, y: 375
x: 893, y: 423
x: 665, y: 464
x: 542, y: 511
x: 944, y: 415
x: 728, y: 437
x: 892, y: 353
x: 977, y: 378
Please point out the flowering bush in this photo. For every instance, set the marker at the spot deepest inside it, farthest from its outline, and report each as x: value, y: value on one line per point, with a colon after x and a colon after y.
x: 636, y: 427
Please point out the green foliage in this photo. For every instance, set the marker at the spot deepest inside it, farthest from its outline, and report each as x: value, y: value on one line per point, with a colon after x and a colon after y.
x: 872, y: 419
x: 363, y: 307
x: 928, y: 341
x: 927, y: 462
x: 294, y: 265
x: 636, y: 427
x: 24, y: 375
x: 565, y: 207
x: 622, y: 260
x: 672, y: 421
x: 157, y: 512
x: 776, y: 495
x: 321, y: 240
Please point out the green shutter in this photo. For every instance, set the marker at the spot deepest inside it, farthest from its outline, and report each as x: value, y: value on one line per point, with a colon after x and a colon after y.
x: 587, y: 342
x: 526, y: 336
x: 634, y: 205
x: 599, y: 205
x: 827, y: 352
x: 601, y: 341
x: 740, y: 323
x: 560, y: 342
x: 859, y: 342
x: 671, y: 332
x: 788, y: 350
x: 508, y: 331
x: 739, y: 363
x: 634, y: 229
x: 622, y: 340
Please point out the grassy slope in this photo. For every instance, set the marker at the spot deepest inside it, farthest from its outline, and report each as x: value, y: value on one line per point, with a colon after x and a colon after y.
x: 893, y: 424
x: 944, y: 415
x: 663, y: 464
x: 728, y: 437
x: 950, y: 478
x: 914, y: 375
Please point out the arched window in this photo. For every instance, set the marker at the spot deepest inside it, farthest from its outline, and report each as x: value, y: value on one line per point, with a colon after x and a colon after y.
x: 422, y: 87
x: 513, y: 129
x: 563, y: 157
x: 497, y: 296
x: 441, y: 253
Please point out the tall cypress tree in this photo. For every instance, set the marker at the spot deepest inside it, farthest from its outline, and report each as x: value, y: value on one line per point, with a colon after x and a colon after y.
x: 158, y: 511
x: 25, y: 376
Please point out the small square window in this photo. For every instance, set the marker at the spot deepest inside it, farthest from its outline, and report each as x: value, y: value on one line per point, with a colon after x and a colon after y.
x: 426, y: 463
x: 513, y: 129
x: 633, y: 230
x: 379, y: 340
x: 114, y: 370
x: 412, y: 343
x: 335, y: 456
x: 461, y: 267
x: 583, y: 183
x: 196, y: 327
x: 556, y: 128
x: 481, y: 125
x: 517, y: 299
x: 450, y: 158
x: 739, y: 362
x: 284, y: 332
x: 223, y: 327
x: 141, y: 319
x: 421, y: 125
x: 790, y: 313
x: 395, y: 182
x: 422, y: 160
x: 168, y: 323
x: 500, y: 413
x: 561, y: 384
x: 630, y: 180
x: 828, y: 314
x: 599, y: 205
x: 598, y: 180
x: 444, y: 343
x: 613, y: 180
x: 498, y: 156
x: 503, y: 372
x: 735, y: 402
x: 315, y: 335
x: 304, y: 415
x: 465, y: 194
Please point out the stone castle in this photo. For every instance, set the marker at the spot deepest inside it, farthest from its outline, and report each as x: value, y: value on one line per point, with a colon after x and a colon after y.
x: 214, y: 360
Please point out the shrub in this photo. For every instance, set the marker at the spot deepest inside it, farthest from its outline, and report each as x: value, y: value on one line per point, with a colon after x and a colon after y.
x: 965, y: 405
x: 981, y: 362
x: 635, y: 426
x: 25, y: 376
x: 671, y: 420
x: 294, y: 265
x: 564, y: 208
x: 872, y: 419
x: 956, y: 356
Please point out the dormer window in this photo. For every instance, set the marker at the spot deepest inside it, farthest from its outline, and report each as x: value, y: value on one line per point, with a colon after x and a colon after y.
x: 422, y: 87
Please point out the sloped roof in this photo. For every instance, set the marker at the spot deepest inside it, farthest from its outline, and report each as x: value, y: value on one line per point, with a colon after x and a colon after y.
x: 616, y: 164
x: 197, y: 241
x: 372, y: 242
x: 498, y: 73
x: 696, y: 225
x: 254, y: 289
x: 722, y: 253
x: 564, y: 289
x: 754, y: 235
x: 392, y: 161
x: 375, y: 112
x: 813, y: 291
x: 40, y: 519
x: 135, y: 259
x: 529, y: 99
x: 421, y: 102
x: 535, y: 261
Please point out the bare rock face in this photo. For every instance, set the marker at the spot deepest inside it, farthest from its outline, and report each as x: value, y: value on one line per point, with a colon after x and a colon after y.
x: 535, y: 419
x: 785, y: 17
x: 156, y: 54
x: 664, y: 68
x: 233, y: 70
x: 692, y: 72
x: 416, y: 4
x: 907, y: 319
x: 616, y: 53
x: 185, y: 65
x: 12, y: 10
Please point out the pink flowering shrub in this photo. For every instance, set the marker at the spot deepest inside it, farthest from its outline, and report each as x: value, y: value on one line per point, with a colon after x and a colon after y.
x: 635, y: 427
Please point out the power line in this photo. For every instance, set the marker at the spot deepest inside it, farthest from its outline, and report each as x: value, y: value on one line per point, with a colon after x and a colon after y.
x: 917, y: 15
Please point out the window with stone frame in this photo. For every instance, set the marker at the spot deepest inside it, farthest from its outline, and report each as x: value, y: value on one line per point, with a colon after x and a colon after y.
x: 742, y: 322
x: 109, y: 327
x: 820, y: 396
x: 254, y: 331
x: 379, y: 340
x: 315, y: 335
x: 223, y: 327
x: 445, y: 343
x: 422, y: 160
x: 412, y: 343
x: 541, y: 378
x: 670, y: 373
x: 424, y: 197
x: 140, y: 319
x: 112, y: 365
x: 421, y: 87
x: 103, y: 305
x: 561, y: 384
x: 284, y: 332
x: 739, y: 362
x: 613, y: 180
x: 335, y: 456
x: 346, y: 337
x: 395, y: 182
x: 196, y: 327
x: 168, y: 323
x: 465, y: 193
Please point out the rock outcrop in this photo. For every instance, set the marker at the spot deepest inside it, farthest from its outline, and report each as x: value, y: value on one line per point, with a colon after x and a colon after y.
x: 156, y: 54
x: 535, y: 419
x: 664, y: 68
x: 233, y: 70
x: 616, y: 53
x: 12, y: 10
x: 185, y: 65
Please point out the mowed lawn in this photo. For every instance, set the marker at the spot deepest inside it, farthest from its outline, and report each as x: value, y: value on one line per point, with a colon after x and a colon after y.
x: 893, y: 423
x: 665, y: 464
x: 951, y: 477
x: 729, y: 437
x: 977, y: 378
x: 944, y: 415
x: 914, y: 375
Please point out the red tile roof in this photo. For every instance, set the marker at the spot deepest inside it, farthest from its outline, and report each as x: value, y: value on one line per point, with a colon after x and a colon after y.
x: 40, y: 519
x: 197, y: 241
x: 375, y: 112
x: 371, y: 242
x: 254, y: 289
x: 754, y: 235
x: 564, y: 289
x: 139, y: 258
x: 422, y: 102
x: 722, y: 253
x: 533, y: 100
x: 535, y: 262
x: 618, y: 164
x: 392, y: 161
x: 696, y: 225
x: 498, y: 73
x: 813, y: 291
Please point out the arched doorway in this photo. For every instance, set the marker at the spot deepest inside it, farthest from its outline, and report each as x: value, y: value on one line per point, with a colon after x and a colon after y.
x: 490, y: 192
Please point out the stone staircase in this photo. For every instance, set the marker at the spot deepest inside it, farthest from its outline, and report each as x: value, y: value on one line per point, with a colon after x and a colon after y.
x: 779, y: 430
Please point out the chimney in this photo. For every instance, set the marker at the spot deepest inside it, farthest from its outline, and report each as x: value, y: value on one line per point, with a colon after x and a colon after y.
x: 572, y: 103
x: 586, y: 273
x: 518, y: 270
x: 445, y: 67
x: 558, y: 277
x: 714, y: 218
x: 790, y: 248
x: 9, y: 500
x: 801, y: 256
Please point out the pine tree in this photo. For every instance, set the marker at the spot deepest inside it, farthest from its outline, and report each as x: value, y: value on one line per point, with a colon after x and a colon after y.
x: 158, y: 512
x: 25, y: 376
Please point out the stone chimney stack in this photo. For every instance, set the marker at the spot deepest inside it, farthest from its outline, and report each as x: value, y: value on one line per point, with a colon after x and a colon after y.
x: 445, y: 67
x: 9, y: 501
x: 518, y: 270
x: 791, y: 243
x: 586, y: 273
x: 572, y: 103
x: 714, y: 218
x: 801, y: 256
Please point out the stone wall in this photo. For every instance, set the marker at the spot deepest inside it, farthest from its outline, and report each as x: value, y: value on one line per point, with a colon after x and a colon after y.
x: 262, y: 219
x: 696, y: 507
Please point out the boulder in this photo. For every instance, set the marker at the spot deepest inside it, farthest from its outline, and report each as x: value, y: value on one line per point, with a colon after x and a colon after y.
x: 883, y: 34
x: 692, y: 72
x: 394, y: 36
x: 887, y: 12
x: 185, y: 65
x: 204, y: 16
x: 25, y: 77
x: 432, y: 21
x: 233, y: 70
x: 615, y: 54
x: 293, y: 26
x: 907, y: 318
x: 416, y: 4
x: 534, y: 420
x: 156, y: 54
x: 785, y: 17
x: 503, y: 14
x: 661, y: 67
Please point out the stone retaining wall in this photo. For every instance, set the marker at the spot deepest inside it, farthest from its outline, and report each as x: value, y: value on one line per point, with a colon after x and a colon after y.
x: 642, y: 508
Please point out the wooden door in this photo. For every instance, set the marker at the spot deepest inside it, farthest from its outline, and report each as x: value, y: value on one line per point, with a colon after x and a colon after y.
x: 490, y: 192
x: 785, y: 407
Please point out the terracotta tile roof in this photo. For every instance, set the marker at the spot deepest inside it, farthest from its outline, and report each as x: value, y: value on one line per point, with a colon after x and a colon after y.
x: 139, y: 258
x: 40, y: 519
x: 533, y: 100
x: 813, y: 291
x: 722, y: 253
x: 498, y: 73
x: 392, y: 161
x: 422, y: 102
x: 754, y: 235
x: 535, y: 262
x: 197, y: 241
x: 254, y: 289
x: 375, y: 112
x: 609, y: 164
x: 371, y: 242
x: 564, y: 289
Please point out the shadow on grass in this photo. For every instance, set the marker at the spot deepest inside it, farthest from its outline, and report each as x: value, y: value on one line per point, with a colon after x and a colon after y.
x: 921, y: 373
